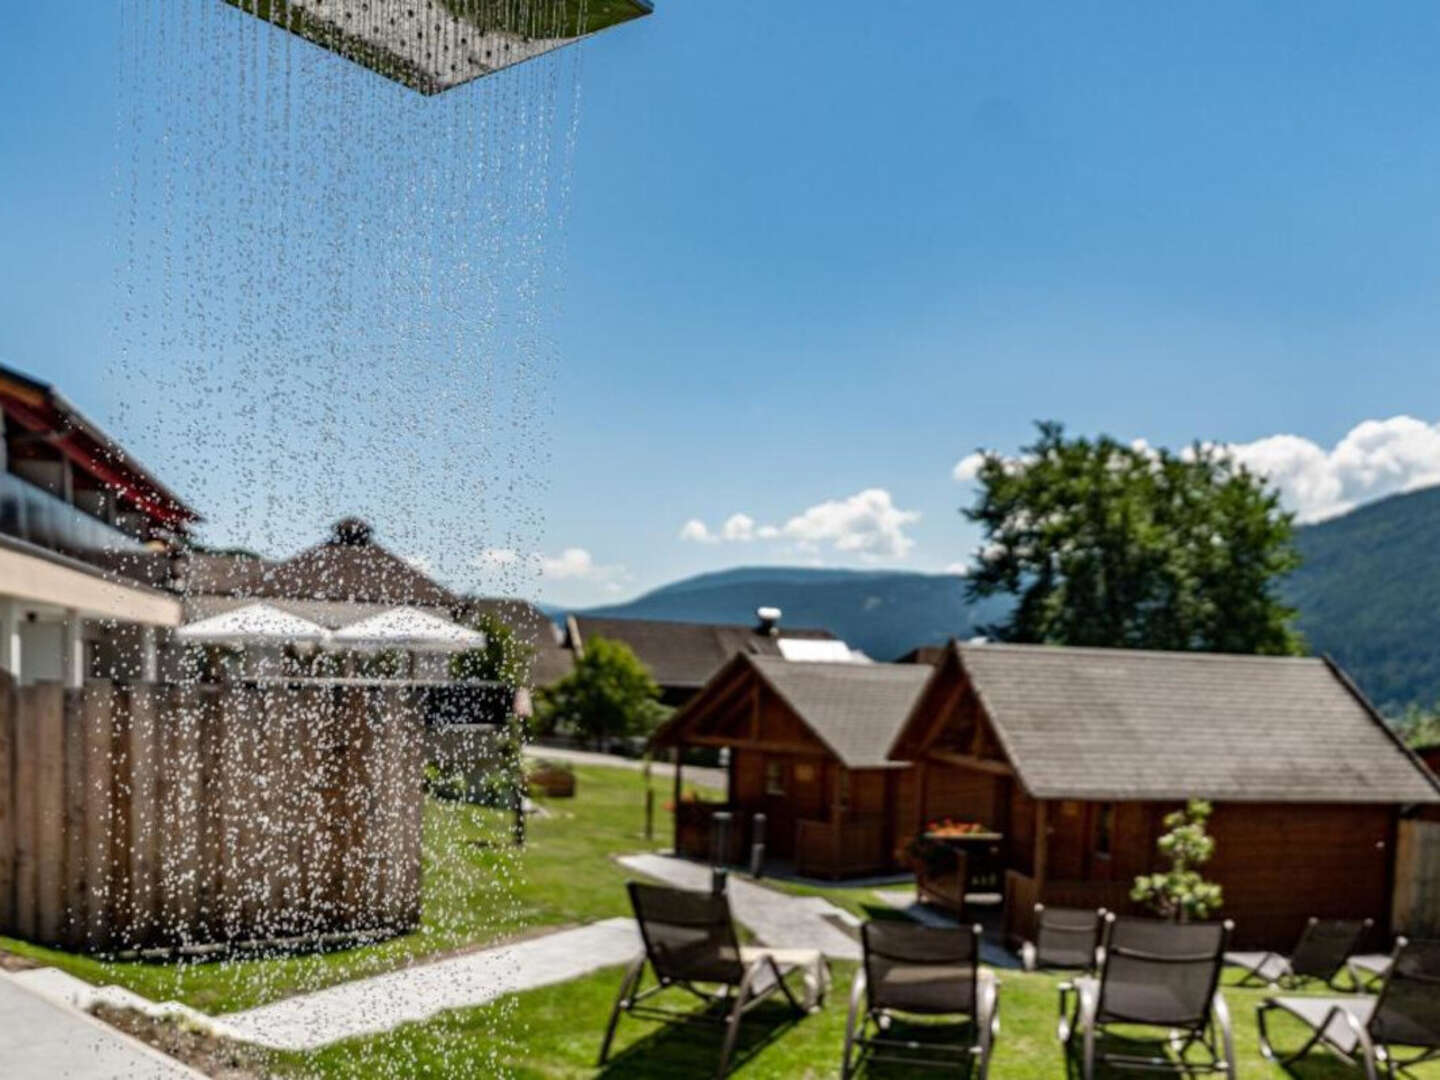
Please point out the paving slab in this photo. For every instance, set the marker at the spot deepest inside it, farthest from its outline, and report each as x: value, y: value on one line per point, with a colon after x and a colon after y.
x: 42, y: 1039
x: 776, y: 918
x: 377, y: 1004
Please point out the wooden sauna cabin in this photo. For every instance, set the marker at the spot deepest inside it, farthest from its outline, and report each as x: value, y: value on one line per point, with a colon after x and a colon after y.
x: 1075, y: 755
x: 808, y: 744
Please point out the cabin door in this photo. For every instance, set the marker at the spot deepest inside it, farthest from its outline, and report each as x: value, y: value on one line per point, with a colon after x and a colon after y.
x: 794, y: 790
x: 779, y: 807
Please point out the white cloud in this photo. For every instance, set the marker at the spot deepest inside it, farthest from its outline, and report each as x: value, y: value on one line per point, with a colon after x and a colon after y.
x: 1377, y: 458
x: 738, y: 527
x: 571, y: 564
x: 867, y: 524
x: 494, y: 558
x: 961, y: 569
x: 968, y: 467
x: 696, y: 530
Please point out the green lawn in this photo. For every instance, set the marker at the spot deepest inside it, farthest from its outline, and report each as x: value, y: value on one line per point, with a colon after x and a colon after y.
x: 477, y: 890
x: 555, y: 1033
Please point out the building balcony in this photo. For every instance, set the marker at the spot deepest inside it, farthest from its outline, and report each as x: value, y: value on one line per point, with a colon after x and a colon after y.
x: 32, y: 514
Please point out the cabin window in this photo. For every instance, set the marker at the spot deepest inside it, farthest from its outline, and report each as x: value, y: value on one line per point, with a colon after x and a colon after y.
x: 1105, y: 829
x: 774, y: 778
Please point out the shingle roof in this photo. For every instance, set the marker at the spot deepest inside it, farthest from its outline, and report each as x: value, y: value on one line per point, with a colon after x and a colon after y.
x: 683, y: 654
x: 1116, y: 724
x: 366, y: 573
x: 855, y: 709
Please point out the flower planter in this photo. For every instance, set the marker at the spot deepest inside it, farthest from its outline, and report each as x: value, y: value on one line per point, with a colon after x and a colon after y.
x: 552, y: 782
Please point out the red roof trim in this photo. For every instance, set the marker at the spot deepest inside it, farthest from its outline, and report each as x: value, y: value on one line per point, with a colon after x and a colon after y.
x: 92, y: 458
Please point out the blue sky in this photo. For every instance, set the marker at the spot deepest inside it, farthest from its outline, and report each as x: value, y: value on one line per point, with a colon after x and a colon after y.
x: 815, y: 259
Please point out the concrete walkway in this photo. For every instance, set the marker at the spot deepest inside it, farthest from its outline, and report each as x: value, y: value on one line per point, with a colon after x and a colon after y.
x: 41, y: 1039
x: 700, y: 775
x: 377, y: 1004
x: 777, y: 919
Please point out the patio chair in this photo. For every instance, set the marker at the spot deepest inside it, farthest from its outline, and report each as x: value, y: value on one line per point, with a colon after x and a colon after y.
x: 690, y: 943
x: 1156, y: 976
x: 1321, y: 953
x: 1066, y: 939
x: 921, y: 971
x: 1366, y: 1029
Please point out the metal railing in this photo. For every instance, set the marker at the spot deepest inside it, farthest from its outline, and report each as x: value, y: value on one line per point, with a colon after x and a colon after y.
x: 31, y: 513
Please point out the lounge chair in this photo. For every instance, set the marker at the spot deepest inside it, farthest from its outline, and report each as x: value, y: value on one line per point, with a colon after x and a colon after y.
x: 1366, y: 1029
x: 1154, y: 975
x: 922, y: 971
x: 1066, y: 939
x: 1321, y: 953
x: 690, y: 943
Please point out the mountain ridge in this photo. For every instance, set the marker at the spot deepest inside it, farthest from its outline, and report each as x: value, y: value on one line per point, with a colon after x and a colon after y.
x: 1368, y: 594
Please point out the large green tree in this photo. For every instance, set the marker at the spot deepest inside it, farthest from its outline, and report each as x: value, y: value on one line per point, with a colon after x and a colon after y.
x: 610, y: 693
x: 1104, y: 543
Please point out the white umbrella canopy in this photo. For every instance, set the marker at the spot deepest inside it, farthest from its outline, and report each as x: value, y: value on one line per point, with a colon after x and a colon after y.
x: 407, y: 628
x: 254, y: 624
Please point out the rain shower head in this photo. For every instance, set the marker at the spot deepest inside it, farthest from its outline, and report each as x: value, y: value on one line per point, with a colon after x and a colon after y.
x: 433, y: 45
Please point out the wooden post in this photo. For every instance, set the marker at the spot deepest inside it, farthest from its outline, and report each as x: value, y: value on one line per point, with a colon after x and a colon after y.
x: 412, y: 802
x: 25, y: 748
x: 118, y: 853
x: 99, y: 782
x: 232, y: 809
x: 145, y: 803
x: 675, y: 816
x: 179, y: 751
x: 649, y: 813
x: 922, y: 792
x: 1042, y: 847
x: 273, y: 749
x: 76, y: 905
x: 396, y: 797
x: 515, y: 751
x: 350, y: 828
x: 210, y: 814
x: 48, y: 704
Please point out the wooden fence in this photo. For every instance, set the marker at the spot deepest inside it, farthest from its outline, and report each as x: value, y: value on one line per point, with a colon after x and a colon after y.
x: 1417, y: 879
x: 160, y: 816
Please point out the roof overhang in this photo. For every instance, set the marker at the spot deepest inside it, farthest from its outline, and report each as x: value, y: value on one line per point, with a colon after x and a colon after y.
x: 34, y: 575
x: 43, y: 411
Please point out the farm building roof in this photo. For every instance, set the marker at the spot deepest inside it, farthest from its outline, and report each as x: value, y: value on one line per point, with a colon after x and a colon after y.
x: 854, y: 709
x: 1118, y: 724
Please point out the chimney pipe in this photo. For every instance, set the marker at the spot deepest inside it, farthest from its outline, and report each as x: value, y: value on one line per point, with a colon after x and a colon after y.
x: 769, y: 621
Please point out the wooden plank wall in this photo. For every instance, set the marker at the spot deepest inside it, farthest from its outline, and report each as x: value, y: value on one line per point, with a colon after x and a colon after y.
x: 1281, y: 864
x: 137, y: 817
x: 1417, y: 879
